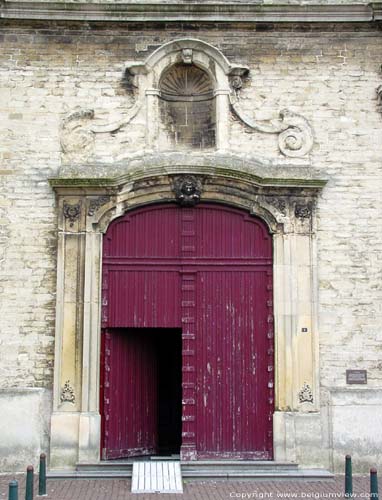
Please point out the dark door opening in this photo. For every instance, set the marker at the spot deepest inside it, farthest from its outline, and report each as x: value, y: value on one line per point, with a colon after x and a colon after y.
x: 141, y: 392
x: 169, y: 355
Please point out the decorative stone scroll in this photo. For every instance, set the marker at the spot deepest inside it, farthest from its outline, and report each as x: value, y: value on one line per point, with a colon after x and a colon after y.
x: 77, y: 132
x: 154, y: 84
x: 76, y: 137
x: 295, y: 133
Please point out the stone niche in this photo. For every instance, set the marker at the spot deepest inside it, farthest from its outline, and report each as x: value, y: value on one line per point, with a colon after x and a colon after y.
x: 175, y: 79
x: 183, y: 96
x: 187, y: 107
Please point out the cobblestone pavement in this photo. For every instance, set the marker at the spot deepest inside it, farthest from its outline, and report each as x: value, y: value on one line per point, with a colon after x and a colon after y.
x: 119, y: 489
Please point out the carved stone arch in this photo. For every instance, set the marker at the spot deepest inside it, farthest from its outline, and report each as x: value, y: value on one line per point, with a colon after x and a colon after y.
x: 160, y: 189
x: 147, y: 75
x: 201, y: 51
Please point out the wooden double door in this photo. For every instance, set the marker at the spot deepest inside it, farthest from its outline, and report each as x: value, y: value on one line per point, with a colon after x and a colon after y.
x: 187, y: 334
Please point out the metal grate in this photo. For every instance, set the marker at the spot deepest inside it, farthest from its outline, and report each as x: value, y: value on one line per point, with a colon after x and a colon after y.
x: 157, y: 477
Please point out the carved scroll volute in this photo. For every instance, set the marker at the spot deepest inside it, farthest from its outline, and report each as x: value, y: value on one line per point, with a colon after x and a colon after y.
x: 295, y: 135
x: 296, y: 141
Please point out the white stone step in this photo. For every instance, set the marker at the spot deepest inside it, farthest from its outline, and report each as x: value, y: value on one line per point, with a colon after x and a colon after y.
x: 157, y: 477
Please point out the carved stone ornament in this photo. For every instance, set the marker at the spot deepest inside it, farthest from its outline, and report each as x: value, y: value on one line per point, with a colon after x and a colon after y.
x: 305, y: 395
x: 67, y: 393
x: 295, y: 133
x: 97, y: 203
x: 236, y: 82
x: 379, y: 95
x: 279, y: 204
x: 187, y: 56
x: 187, y: 190
x: 78, y: 132
x: 76, y: 138
x: 72, y: 212
x: 303, y: 211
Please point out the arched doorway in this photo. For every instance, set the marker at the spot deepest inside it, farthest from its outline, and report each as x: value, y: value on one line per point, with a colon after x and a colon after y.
x: 187, y: 304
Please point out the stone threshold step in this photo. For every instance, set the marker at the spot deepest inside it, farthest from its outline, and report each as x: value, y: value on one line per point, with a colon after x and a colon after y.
x: 256, y: 474
x: 125, y: 465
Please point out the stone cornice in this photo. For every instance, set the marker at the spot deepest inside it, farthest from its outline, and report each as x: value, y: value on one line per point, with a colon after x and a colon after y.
x: 146, y: 11
x: 258, y: 171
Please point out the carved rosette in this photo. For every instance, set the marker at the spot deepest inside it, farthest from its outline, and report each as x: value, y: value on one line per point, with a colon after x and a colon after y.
x: 305, y: 395
x: 67, y: 393
x: 188, y: 190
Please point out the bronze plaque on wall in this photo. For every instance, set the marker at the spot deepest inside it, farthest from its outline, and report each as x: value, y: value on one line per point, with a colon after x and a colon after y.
x: 356, y: 376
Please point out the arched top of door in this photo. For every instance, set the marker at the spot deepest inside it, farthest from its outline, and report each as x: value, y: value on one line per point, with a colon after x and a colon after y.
x: 217, y: 207
x: 283, y: 196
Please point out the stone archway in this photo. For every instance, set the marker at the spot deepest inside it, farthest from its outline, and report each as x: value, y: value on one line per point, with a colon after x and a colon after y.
x: 284, y: 198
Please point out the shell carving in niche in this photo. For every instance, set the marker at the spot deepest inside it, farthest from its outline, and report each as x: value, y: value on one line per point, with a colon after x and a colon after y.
x: 186, y: 81
x: 188, y: 107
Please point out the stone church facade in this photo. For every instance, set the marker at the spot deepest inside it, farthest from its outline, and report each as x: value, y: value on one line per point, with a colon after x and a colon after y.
x: 272, y: 110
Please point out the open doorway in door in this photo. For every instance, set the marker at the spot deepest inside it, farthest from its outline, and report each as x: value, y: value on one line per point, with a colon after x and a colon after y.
x: 141, y: 392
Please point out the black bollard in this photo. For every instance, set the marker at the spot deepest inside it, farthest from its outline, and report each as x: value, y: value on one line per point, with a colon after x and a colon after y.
x: 348, y: 477
x: 373, y: 484
x: 13, y: 490
x: 29, y: 483
x: 42, y: 476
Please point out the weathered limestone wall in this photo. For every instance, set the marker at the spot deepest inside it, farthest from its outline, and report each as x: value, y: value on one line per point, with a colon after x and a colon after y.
x: 327, y: 73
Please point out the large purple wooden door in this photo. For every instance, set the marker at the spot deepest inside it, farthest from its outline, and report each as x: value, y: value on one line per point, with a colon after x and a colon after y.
x: 208, y: 271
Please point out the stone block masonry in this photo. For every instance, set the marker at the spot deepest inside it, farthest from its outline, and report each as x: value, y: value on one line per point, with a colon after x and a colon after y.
x: 327, y: 72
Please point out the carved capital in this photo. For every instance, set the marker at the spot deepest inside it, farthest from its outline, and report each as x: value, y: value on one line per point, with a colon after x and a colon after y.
x: 303, y: 210
x: 72, y: 212
x: 188, y: 190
